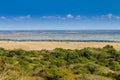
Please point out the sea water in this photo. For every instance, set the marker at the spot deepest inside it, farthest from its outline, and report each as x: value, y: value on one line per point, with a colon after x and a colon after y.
x: 75, y: 35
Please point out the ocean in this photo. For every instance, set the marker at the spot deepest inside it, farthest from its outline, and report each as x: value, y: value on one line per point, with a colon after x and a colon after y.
x: 63, y: 35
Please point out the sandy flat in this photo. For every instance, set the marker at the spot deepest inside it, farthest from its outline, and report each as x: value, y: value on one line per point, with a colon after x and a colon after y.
x: 34, y: 45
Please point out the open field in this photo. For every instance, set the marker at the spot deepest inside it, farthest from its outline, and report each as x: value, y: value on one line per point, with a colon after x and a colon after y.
x: 38, y: 45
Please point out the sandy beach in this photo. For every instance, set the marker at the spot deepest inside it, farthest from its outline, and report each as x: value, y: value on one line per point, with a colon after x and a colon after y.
x: 38, y: 45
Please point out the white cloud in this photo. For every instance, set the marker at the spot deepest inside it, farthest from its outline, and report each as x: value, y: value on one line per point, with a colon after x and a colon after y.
x: 54, y: 17
x: 3, y: 17
x: 111, y: 16
x: 22, y: 17
x: 107, y: 16
x: 69, y: 16
x: 25, y: 17
x: 51, y: 17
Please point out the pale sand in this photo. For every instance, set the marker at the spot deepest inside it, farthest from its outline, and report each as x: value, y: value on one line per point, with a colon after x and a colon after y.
x: 34, y: 45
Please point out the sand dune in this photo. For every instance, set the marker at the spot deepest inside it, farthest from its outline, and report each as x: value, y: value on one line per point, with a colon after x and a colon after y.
x: 34, y: 45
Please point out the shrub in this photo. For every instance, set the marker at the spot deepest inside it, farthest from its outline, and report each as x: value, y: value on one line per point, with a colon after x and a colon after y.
x: 92, y: 68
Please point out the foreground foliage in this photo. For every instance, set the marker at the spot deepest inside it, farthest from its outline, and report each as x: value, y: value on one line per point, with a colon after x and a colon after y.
x: 60, y: 64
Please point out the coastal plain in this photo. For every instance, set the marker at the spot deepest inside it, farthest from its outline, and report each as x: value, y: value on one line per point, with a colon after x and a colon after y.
x: 39, y: 45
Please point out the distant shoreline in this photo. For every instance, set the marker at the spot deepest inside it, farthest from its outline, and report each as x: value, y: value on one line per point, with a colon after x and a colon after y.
x: 60, y: 40
x: 61, y: 35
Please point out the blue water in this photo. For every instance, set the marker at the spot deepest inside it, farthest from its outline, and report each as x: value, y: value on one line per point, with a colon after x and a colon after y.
x: 107, y: 35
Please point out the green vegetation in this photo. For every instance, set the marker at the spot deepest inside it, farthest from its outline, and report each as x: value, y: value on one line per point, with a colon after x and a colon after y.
x: 60, y: 64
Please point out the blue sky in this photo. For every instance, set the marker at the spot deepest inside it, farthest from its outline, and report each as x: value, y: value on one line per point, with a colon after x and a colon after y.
x: 59, y: 14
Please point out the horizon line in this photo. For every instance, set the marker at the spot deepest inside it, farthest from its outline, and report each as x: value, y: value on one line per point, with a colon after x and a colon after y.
x: 55, y: 29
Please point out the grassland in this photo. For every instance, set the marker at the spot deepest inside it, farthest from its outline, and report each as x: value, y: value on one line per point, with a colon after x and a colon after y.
x: 60, y: 64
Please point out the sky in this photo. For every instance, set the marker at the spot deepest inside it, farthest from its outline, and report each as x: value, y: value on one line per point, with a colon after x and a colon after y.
x: 59, y: 14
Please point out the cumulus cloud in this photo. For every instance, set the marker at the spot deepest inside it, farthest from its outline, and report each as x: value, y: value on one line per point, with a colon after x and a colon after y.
x: 69, y: 16
x: 3, y: 17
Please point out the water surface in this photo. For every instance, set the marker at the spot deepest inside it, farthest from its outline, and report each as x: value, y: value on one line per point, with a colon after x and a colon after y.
x: 108, y: 35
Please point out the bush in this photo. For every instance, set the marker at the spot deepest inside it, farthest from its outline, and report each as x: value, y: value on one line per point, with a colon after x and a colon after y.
x: 92, y: 68
x: 57, y: 73
x: 60, y: 64
x: 114, y: 65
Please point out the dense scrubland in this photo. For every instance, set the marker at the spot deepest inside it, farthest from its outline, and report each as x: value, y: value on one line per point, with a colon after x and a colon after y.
x: 60, y: 64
